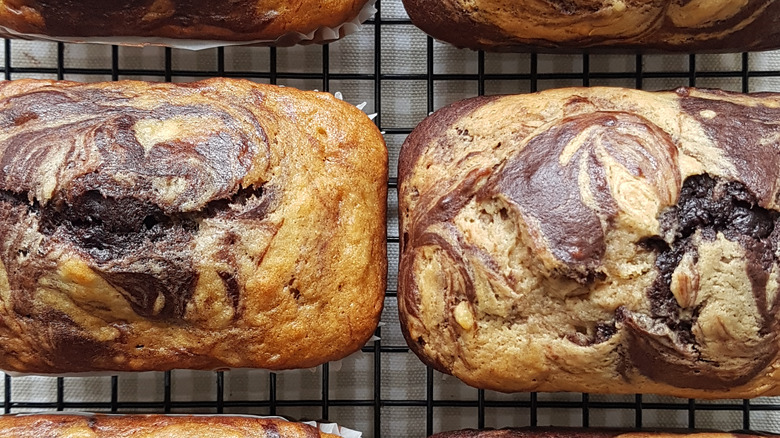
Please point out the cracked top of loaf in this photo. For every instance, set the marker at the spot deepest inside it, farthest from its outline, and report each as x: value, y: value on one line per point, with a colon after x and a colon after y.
x: 596, y: 240
x: 214, y: 224
x: 601, y: 25
x: 224, y: 20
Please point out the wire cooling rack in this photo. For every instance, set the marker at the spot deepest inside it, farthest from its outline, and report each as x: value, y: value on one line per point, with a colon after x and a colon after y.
x: 383, y: 390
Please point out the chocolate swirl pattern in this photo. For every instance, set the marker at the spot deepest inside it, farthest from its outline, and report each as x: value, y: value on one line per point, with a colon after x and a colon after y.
x: 570, y: 182
x: 626, y: 25
x: 602, y: 240
x: 145, y: 223
x: 234, y: 20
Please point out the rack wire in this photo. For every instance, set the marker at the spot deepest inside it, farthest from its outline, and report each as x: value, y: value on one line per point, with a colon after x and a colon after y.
x: 384, y: 390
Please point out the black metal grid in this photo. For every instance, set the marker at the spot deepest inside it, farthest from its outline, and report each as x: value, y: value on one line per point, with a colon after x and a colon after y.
x: 430, y: 406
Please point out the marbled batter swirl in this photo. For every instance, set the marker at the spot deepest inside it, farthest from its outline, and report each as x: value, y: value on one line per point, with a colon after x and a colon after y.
x: 596, y: 240
x: 554, y: 25
x: 214, y: 224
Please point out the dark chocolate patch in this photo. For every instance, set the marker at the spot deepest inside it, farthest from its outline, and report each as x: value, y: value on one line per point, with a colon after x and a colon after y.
x: 662, y: 346
x: 712, y: 205
x: 585, y: 337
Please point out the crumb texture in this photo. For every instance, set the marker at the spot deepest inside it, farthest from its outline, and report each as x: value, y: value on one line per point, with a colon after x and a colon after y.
x: 208, y: 225
x: 596, y: 240
x: 625, y: 25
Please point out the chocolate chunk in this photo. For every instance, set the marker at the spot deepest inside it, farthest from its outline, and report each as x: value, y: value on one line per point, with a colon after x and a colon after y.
x: 602, y: 332
x: 713, y: 205
x: 133, y: 244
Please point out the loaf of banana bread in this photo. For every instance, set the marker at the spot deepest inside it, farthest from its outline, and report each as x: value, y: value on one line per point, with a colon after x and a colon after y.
x: 601, y: 25
x: 216, y: 224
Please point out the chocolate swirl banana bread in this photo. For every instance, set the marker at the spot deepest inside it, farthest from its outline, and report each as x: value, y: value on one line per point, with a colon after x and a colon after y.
x: 597, y: 240
x: 601, y: 25
x: 214, y: 224
x: 224, y: 20
x: 565, y: 432
x: 112, y: 426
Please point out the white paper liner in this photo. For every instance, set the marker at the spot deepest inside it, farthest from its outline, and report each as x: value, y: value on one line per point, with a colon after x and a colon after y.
x: 332, y: 428
x: 318, y: 36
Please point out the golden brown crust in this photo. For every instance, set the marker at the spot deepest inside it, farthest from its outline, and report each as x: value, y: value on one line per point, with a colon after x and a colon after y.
x: 243, y: 20
x: 596, y: 240
x: 208, y: 225
x: 566, y: 432
x: 602, y: 25
x: 151, y: 426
